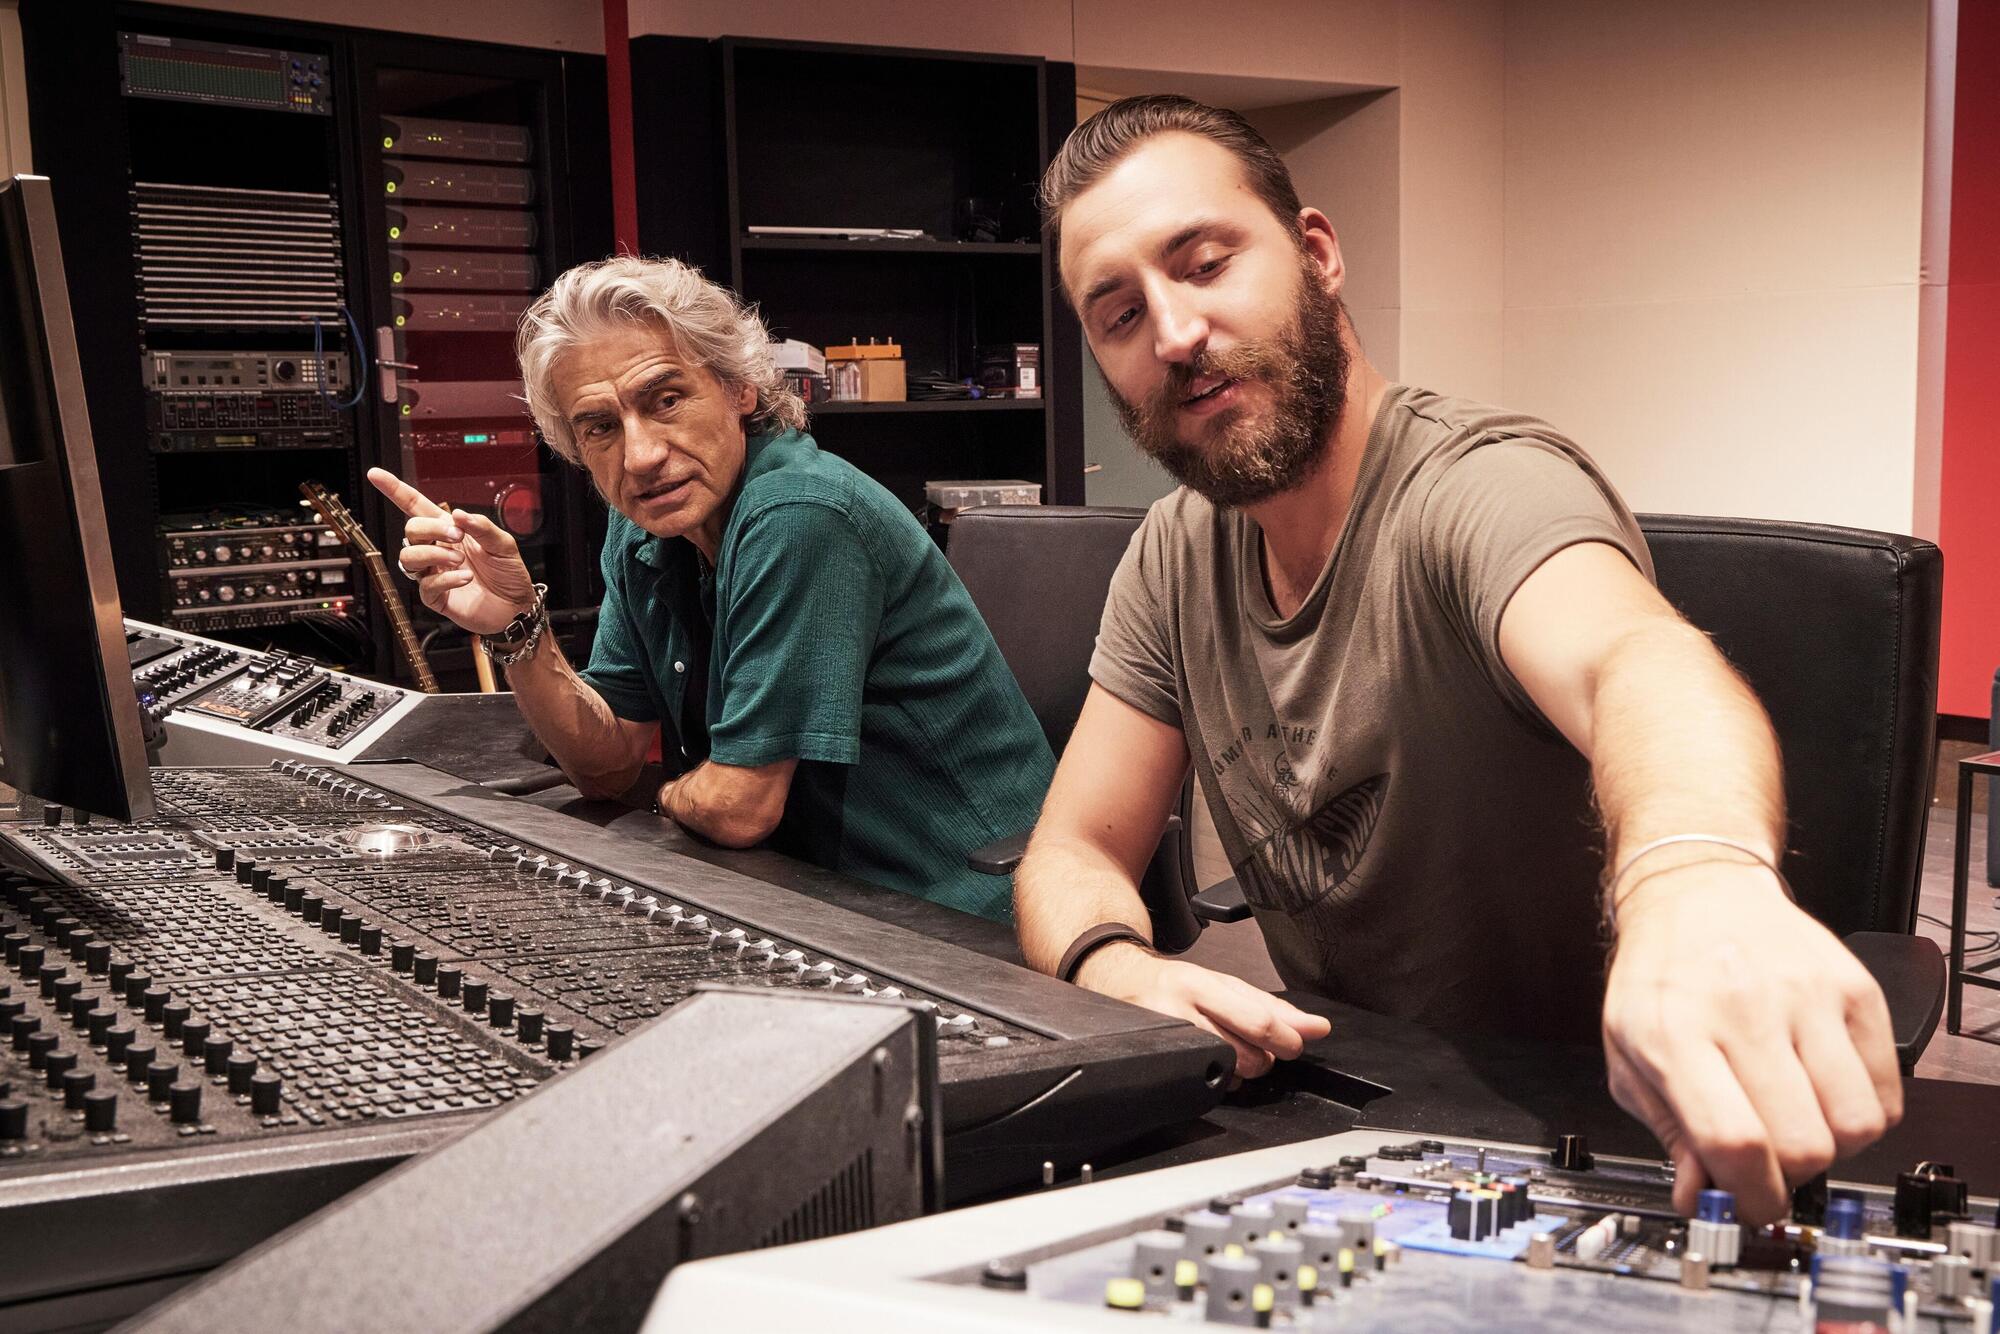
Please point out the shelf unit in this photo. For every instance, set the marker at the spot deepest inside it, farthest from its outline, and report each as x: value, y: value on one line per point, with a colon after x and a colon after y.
x: 827, y: 135
x: 98, y: 144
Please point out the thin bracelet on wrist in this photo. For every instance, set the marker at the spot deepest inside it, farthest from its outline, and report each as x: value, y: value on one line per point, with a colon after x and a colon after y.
x: 1632, y: 859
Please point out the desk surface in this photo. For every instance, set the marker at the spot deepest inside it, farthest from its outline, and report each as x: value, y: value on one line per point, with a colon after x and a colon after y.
x: 1372, y: 1070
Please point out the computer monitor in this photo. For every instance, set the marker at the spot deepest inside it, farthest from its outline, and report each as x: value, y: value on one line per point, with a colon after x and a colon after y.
x: 70, y: 731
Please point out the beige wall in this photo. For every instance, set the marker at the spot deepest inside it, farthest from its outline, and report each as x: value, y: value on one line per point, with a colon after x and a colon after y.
x: 1712, y: 224
x: 558, y: 25
x: 14, y: 155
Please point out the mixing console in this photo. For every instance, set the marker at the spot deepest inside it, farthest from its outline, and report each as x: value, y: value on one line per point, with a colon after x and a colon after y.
x: 299, y: 951
x: 1352, y: 1233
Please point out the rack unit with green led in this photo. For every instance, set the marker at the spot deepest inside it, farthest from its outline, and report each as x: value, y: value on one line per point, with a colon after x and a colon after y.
x: 221, y: 182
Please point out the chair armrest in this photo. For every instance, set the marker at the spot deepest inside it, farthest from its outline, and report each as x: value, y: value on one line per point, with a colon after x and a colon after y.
x: 1222, y: 902
x: 1003, y: 855
x: 1911, y: 972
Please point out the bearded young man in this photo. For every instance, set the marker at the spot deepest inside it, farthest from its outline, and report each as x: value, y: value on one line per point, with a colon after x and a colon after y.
x: 1404, y: 638
x: 828, y: 682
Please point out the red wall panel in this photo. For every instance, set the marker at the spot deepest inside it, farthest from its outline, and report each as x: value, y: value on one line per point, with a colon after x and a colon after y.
x: 1969, y: 513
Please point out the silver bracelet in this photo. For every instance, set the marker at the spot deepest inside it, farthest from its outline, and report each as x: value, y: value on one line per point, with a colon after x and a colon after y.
x: 1757, y: 854
x: 537, y: 620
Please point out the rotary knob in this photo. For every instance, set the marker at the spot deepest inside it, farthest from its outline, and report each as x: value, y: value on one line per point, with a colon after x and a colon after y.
x: 100, y: 1111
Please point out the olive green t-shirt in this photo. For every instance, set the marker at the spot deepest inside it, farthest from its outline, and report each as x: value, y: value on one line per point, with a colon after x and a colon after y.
x: 833, y: 632
x: 1412, y: 835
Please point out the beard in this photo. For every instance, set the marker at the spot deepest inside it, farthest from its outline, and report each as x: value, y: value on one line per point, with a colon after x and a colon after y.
x: 1236, y: 461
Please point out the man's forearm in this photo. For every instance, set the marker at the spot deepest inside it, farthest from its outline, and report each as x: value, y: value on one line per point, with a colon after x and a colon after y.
x: 727, y: 804
x: 572, y: 720
x: 1065, y: 886
x: 1679, y: 745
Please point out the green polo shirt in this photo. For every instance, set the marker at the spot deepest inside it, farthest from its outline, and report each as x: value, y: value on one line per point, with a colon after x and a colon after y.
x: 833, y: 633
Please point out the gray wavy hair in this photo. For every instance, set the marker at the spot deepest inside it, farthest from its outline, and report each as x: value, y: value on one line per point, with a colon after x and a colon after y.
x: 709, y: 325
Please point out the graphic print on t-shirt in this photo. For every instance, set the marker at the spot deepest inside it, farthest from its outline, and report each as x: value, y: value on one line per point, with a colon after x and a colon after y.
x: 1301, y: 848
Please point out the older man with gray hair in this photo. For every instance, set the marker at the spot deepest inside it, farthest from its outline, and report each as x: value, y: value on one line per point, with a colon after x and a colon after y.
x: 829, y: 684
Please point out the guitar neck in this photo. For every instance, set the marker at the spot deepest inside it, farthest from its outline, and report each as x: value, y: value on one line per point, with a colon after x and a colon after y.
x: 399, y: 620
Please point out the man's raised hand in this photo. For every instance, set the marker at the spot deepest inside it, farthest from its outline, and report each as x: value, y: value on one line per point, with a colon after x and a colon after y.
x: 468, y: 569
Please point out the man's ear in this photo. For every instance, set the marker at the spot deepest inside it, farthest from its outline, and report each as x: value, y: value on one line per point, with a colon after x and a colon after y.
x: 745, y: 399
x: 1322, y: 245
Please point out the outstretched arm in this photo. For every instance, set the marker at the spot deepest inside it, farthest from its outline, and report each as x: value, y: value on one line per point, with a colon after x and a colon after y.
x: 1735, y: 1026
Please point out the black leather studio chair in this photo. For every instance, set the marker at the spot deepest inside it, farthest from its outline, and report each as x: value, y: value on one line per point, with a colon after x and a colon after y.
x: 1039, y: 575
x: 1836, y: 629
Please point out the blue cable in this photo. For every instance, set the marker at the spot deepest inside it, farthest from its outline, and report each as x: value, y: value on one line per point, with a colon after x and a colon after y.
x: 360, y: 361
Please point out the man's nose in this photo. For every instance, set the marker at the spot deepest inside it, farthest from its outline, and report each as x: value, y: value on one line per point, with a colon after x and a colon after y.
x: 646, y: 446
x: 1180, y: 330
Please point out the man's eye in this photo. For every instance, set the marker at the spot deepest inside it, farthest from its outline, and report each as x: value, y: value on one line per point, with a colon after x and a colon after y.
x: 666, y: 402
x: 1129, y: 314
x: 1211, y: 266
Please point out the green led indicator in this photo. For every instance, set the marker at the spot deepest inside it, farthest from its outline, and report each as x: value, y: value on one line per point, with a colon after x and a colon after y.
x: 390, y: 187
x: 388, y: 141
x: 396, y: 277
x: 399, y: 321
x: 395, y: 232
x: 406, y: 409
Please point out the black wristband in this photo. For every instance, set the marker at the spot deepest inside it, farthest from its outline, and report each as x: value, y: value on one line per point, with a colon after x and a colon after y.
x: 1090, y: 941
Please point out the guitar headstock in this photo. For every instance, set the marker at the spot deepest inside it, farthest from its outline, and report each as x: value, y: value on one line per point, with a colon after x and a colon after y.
x: 336, y: 516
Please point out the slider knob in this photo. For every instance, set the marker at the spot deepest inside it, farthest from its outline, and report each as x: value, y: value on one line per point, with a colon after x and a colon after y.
x: 1572, y: 1154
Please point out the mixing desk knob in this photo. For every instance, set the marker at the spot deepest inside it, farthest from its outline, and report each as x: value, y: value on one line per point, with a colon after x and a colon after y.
x: 1951, y: 1277
x: 529, y: 1029
x: 500, y: 1009
x: 52, y: 815
x: 1978, y: 1243
x: 1207, y: 1233
x: 854, y: 984
x: 160, y: 1079
x: 184, y: 1103
x: 822, y: 974
x: 1233, y: 1281
x: 76, y: 1084
x: 242, y: 1071
x: 173, y: 1018
x: 424, y: 969
x: 21, y: 1028
x: 13, y: 1120
x: 369, y: 937
x: 643, y: 906
x: 791, y: 961
x: 1155, y: 1256
x: 78, y: 1007
x: 620, y: 897
x: 117, y: 1041
x: 153, y: 1001
x: 29, y: 961
x: 56, y: 1065
x: 475, y: 997
x: 100, y: 1021
x: 562, y: 1042
x: 447, y: 982
x: 100, y: 1111
x: 266, y: 1093
x: 1714, y: 1231
x: 48, y: 975
x: 215, y: 1055
x: 139, y: 1059
x: 39, y: 1046
x: 79, y: 941
x: 194, y: 1036
x: 402, y: 955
